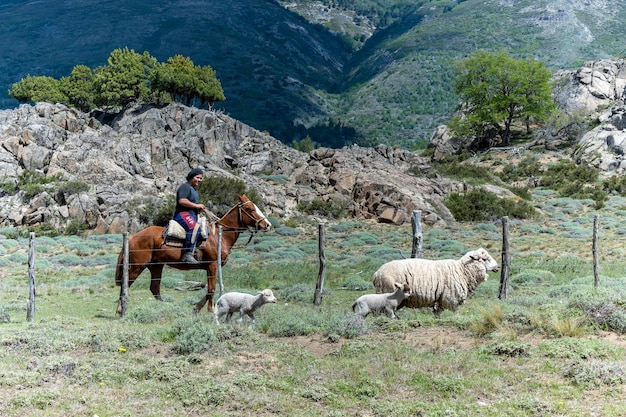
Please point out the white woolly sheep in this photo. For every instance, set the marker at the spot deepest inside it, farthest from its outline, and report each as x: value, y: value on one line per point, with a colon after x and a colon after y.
x: 246, y: 304
x: 440, y: 284
x: 380, y: 303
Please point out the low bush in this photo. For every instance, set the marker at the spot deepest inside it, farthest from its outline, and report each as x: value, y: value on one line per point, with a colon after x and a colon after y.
x: 508, y: 348
x: 194, y: 336
x: 355, y: 283
x: 481, y: 205
x: 319, y: 207
x: 465, y: 172
x: 528, y: 167
x: 593, y: 373
x: 575, y: 181
x: 223, y: 192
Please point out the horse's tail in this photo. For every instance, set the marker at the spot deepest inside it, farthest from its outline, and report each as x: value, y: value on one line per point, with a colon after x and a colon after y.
x: 119, y: 269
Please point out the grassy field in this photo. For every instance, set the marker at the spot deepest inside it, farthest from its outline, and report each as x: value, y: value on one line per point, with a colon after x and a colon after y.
x: 554, y: 347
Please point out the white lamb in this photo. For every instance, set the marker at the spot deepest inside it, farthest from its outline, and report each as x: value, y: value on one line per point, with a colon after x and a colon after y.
x: 440, y: 284
x: 246, y: 304
x: 380, y: 303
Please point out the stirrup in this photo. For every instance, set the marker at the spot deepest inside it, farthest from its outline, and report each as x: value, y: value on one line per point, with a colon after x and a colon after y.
x: 188, y: 258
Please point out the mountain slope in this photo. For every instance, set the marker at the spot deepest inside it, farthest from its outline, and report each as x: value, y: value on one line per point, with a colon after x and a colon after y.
x: 291, y: 77
x: 264, y: 55
x: 412, y: 90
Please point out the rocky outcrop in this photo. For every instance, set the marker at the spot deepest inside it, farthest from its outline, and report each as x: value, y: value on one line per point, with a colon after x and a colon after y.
x: 136, y: 159
x: 598, y: 90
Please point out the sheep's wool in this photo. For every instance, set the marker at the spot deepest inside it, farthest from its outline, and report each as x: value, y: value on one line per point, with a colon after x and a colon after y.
x: 441, y: 284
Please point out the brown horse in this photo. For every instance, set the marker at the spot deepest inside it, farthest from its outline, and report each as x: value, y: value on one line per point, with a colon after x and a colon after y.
x: 146, y: 250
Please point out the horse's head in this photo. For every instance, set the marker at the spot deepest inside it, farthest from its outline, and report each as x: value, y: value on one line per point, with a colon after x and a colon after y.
x: 251, y: 215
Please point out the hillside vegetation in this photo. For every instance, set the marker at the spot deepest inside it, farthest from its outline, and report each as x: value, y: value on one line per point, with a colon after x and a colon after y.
x: 554, y: 347
x: 383, y: 75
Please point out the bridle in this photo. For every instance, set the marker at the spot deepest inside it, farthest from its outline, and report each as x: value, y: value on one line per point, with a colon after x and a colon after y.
x: 240, y: 219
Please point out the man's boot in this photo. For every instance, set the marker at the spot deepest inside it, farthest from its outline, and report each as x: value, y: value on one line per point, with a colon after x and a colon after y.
x: 188, y: 258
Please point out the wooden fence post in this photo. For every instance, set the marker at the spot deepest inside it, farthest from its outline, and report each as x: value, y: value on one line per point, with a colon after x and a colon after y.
x: 30, y: 304
x: 319, y: 287
x: 416, y: 224
x: 124, y: 294
x: 506, y: 260
x: 219, y: 260
x: 594, y: 250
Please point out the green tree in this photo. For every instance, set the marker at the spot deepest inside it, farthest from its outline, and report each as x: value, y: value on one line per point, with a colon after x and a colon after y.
x: 39, y: 88
x: 186, y: 82
x: 125, y: 79
x: 497, y: 90
x: 209, y: 89
x: 79, y: 88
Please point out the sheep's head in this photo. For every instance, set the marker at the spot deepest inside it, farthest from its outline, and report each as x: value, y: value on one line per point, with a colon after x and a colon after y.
x: 406, y: 289
x: 267, y: 296
x: 481, y: 255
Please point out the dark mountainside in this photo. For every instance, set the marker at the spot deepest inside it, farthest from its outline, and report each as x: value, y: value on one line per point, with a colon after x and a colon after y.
x: 263, y: 54
x: 292, y: 77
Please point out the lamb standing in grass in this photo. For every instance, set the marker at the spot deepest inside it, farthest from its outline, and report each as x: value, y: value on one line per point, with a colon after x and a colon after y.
x: 380, y: 303
x: 440, y: 284
x: 243, y: 303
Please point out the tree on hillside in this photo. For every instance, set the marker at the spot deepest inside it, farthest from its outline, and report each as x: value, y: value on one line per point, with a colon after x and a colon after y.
x: 209, y: 88
x: 128, y: 77
x: 125, y: 79
x: 39, y: 88
x: 186, y: 82
x: 79, y: 88
x: 497, y: 90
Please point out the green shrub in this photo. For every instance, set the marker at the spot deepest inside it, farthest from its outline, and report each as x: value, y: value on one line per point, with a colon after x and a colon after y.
x: 575, y: 348
x: 44, y: 229
x: 533, y: 276
x: 522, y: 192
x: 594, y: 373
x: 349, y: 326
x: 289, y: 321
x: 354, y: 283
x: 194, y: 336
x: 344, y: 226
x: 508, y: 348
x: 615, y: 184
x: 605, y: 313
x: 575, y: 181
x: 276, y: 178
x: 73, y: 187
x: 4, y: 315
x: 76, y: 227
x: 480, y: 205
x: 8, y: 185
x: 319, y: 207
x: 465, y: 171
x: 224, y: 192
x: 298, y: 292
x: 528, y: 167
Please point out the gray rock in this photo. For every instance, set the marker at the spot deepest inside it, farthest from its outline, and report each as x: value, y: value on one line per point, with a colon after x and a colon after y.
x: 138, y: 157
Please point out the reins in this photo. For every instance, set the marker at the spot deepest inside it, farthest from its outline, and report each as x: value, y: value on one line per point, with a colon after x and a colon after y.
x: 240, y: 213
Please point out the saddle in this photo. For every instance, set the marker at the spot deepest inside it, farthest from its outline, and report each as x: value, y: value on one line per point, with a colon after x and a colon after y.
x: 174, y: 234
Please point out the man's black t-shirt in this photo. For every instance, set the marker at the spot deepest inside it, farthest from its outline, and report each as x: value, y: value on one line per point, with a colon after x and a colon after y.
x: 188, y: 192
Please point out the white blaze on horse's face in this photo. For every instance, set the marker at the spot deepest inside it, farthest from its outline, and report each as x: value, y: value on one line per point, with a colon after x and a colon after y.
x: 264, y: 224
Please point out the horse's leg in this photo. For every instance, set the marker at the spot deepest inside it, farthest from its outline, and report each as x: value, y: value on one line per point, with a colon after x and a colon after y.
x: 156, y: 271
x: 210, y: 289
x: 133, y: 273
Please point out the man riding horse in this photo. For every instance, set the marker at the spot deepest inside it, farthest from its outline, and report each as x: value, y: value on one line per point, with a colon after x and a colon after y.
x: 186, y: 213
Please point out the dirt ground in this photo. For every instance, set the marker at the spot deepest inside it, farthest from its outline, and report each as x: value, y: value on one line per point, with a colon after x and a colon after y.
x: 433, y: 337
